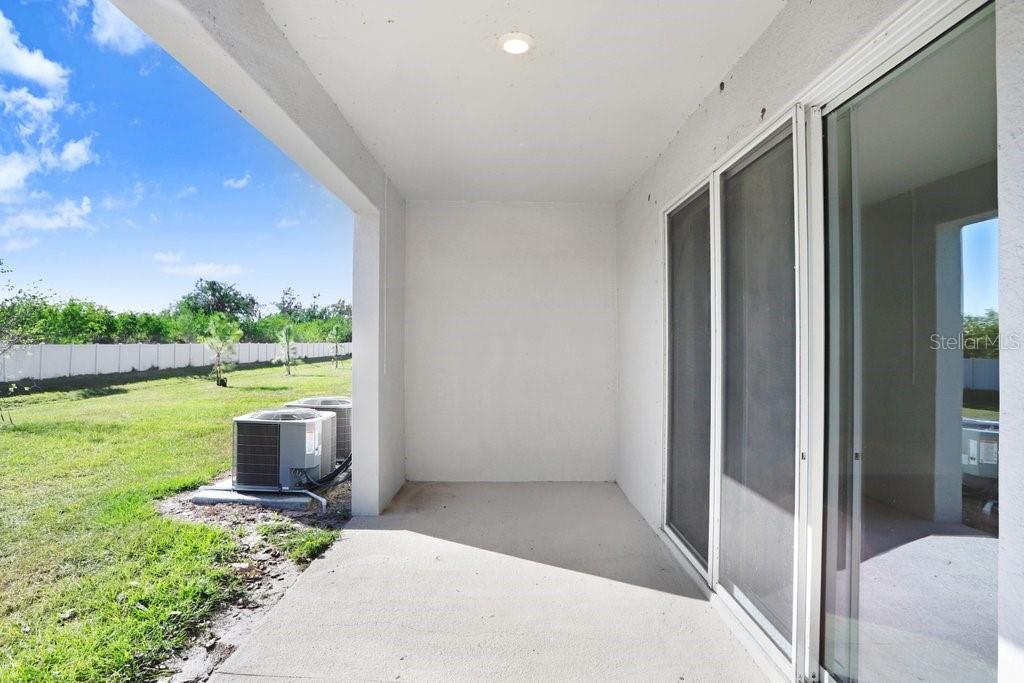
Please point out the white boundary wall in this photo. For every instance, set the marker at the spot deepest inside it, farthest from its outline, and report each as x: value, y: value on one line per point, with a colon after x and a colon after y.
x: 981, y: 373
x: 47, y: 361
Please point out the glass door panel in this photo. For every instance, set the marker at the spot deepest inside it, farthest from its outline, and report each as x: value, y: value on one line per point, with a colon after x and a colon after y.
x: 912, y: 500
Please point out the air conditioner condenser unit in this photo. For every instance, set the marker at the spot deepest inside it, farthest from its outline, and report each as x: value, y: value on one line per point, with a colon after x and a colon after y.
x: 280, y: 449
x: 341, y: 406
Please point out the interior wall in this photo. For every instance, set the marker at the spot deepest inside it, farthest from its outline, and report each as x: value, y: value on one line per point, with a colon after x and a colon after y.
x: 904, y: 465
x: 803, y: 40
x: 510, y: 338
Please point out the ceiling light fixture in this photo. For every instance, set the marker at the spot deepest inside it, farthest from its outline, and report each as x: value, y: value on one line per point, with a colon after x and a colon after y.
x: 516, y: 43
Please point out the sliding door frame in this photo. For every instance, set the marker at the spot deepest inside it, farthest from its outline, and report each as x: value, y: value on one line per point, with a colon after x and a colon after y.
x: 904, y: 33
x: 787, y: 124
x: 707, y: 574
x: 901, y: 38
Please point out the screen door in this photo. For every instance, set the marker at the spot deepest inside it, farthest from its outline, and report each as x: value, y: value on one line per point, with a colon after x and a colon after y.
x: 759, y: 386
x: 689, y: 463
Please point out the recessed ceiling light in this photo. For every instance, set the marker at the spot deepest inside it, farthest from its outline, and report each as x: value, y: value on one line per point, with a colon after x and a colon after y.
x: 516, y: 43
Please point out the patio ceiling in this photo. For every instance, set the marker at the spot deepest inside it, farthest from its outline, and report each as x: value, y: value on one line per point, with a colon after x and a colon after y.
x: 451, y: 116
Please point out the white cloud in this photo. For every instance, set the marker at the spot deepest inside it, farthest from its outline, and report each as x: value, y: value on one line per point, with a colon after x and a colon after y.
x: 15, y: 168
x: 31, y: 116
x: 167, y: 257
x: 20, y: 243
x: 146, y: 69
x: 287, y: 222
x: 238, y: 183
x: 134, y: 199
x: 77, y: 153
x: 186, y: 191
x: 172, y: 264
x: 31, y: 65
x: 112, y: 29
x: 71, y: 9
x: 34, y: 114
x: 203, y: 270
x: 65, y: 214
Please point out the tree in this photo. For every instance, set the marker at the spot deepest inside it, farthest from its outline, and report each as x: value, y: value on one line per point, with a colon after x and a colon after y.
x: 339, y: 309
x: 211, y: 296
x: 222, y: 336
x: 981, y: 335
x: 286, y: 338
x: 77, y: 321
x: 289, y: 304
x: 19, y: 312
x: 334, y: 337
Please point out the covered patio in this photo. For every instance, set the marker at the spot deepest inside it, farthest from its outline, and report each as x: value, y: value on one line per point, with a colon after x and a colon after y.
x: 604, y: 282
x: 508, y: 581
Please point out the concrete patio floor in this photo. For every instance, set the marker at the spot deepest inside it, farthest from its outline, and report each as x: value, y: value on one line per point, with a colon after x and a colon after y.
x: 533, y: 581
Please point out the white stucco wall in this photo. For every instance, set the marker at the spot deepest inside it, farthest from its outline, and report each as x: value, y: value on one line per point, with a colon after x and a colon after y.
x: 804, y: 40
x: 510, y: 341
x: 1010, y: 118
x: 392, y: 346
x: 378, y: 375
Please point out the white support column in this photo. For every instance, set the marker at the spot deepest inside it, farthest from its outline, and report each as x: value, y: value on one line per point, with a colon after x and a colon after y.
x: 365, y: 366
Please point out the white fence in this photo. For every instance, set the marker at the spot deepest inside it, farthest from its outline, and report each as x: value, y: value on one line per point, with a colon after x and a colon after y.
x: 981, y: 373
x: 46, y: 361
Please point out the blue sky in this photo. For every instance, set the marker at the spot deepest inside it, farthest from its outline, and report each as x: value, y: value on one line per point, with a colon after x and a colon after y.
x: 123, y: 179
x: 979, y: 244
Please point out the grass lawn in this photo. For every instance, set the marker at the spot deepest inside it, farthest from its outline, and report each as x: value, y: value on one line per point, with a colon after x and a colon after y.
x: 94, y: 584
x: 981, y: 405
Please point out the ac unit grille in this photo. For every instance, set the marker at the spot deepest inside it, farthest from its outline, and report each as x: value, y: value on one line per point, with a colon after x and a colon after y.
x: 257, y: 454
x: 344, y: 432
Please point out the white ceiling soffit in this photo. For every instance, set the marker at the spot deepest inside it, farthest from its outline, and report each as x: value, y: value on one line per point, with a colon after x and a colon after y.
x: 578, y: 118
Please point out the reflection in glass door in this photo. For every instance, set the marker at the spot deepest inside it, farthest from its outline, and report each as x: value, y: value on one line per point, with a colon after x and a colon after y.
x: 912, y: 495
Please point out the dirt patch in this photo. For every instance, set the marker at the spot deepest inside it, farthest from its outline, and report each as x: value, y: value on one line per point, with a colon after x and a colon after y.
x: 265, y: 570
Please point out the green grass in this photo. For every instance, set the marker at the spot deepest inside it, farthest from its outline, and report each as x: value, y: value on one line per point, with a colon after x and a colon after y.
x: 302, y: 545
x: 981, y: 405
x: 94, y: 584
x: 980, y: 414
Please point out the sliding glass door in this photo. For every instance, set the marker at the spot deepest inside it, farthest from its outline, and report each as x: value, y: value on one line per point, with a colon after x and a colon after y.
x: 689, y: 462
x: 912, y: 472
x: 759, y: 386
x: 732, y: 384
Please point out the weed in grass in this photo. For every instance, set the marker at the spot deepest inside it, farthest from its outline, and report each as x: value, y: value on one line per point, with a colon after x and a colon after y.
x: 301, y: 544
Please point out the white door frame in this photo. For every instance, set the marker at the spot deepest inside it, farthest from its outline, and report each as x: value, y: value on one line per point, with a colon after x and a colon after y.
x: 677, y: 202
